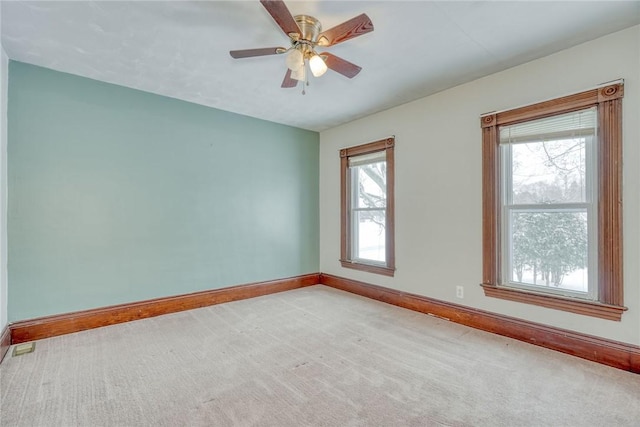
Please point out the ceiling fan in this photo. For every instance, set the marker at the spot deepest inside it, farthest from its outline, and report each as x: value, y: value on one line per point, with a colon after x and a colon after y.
x: 305, y: 34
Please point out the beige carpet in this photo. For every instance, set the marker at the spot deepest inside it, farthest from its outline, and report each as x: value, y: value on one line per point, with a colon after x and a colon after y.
x: 314, y: 356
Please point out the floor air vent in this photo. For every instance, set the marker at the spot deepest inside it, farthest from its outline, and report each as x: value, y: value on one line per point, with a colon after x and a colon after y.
x: 25, y: 348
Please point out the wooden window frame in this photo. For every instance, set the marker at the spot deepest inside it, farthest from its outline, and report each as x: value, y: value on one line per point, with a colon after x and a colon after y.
x: 386, y: 145
x: 608, y: 101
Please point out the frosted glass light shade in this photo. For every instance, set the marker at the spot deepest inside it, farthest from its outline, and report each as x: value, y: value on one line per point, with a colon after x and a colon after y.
x: 317, y: 65
x: 295, y: 60
x: 299, y: 74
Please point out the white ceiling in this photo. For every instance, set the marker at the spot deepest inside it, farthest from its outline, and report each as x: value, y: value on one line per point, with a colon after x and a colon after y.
x: 181, y: 49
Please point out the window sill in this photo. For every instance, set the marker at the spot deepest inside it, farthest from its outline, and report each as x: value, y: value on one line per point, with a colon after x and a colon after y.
x: 377, y: 269
x: 573, y: 305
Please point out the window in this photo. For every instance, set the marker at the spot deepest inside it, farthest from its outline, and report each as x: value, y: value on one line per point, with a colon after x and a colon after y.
x: 549, y: 204
x: 367, y: 214
x: 552, y: 214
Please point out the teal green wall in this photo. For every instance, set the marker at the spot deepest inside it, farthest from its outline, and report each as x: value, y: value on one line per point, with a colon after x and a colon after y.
x: 118, y: 195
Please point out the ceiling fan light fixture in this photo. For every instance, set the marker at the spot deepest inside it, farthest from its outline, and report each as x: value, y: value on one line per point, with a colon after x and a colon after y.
x: 295, y: 60
x: 317, y: 65
x: 299, y: 74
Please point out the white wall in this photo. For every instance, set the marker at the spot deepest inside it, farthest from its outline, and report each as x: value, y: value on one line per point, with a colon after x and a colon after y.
x: 4, y: 68
x: 438, y: 180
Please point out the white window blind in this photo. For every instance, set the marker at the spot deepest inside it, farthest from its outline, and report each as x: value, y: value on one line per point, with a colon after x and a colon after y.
x: 563, y: 126
x: 365, y: 159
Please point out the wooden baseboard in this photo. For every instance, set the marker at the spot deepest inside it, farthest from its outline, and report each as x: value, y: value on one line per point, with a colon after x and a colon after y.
x: 608, y: 352
x: 612, y: 353
x: 51, y: 326
x: 5, y: 342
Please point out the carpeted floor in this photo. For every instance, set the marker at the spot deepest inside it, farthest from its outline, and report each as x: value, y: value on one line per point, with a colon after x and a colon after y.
x: 314, y: 356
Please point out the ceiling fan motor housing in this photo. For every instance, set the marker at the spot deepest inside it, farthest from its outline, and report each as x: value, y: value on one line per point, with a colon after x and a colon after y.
x: 310, y: 27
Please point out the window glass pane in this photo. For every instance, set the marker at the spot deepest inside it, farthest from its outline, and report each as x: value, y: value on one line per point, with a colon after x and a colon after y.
x: 551, y: 171
x: 549, y: 249
x: 370, y: 235
x: 371, y: 185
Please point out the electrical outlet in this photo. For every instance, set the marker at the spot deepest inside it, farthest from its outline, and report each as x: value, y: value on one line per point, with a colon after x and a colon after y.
x: 460, y: 292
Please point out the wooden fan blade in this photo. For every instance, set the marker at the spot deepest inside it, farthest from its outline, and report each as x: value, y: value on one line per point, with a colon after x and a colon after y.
x: 279, y: 12
x: 288, y: 81
x: 340, y: 65
x: 247, y: 53
x: 354, y: 27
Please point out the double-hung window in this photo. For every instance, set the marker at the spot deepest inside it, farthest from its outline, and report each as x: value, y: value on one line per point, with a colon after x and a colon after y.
x: 552, y: 203
x: 549, y: 204
x: 367, y: 215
